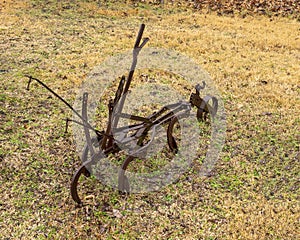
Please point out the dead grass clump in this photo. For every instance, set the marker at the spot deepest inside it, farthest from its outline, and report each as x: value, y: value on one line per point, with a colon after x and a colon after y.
x: 290, y: 8
x: 259, y: 218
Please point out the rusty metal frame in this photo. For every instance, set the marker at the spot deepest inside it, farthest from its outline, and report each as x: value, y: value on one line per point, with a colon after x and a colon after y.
x: 168, y: 115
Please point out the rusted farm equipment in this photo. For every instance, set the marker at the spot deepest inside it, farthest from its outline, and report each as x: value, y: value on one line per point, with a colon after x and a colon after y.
x: 139, y: 132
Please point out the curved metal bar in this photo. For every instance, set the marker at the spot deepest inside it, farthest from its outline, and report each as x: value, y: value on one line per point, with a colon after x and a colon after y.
x: 82, y: 169
x: 171, y: 140
x: 123, y: 183
x: 205, y: 108
x: 74, y: 183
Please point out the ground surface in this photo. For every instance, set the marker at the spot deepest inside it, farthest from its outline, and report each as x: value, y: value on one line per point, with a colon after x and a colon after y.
x: 253, y: 192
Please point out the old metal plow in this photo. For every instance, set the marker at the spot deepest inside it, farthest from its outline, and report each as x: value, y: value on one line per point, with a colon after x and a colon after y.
x: 141, y: 133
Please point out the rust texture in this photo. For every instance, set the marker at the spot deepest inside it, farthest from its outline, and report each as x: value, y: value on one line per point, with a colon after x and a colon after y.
x: 168, y: 115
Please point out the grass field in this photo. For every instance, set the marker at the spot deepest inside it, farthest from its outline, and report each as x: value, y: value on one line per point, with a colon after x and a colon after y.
x: 253, y: 192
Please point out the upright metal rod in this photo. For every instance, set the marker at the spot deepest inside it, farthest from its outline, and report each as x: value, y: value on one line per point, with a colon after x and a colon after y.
x: 114, y: 120
x: 136, y: 50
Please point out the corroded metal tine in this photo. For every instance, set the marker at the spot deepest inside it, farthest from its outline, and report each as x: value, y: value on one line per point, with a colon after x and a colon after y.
x: 83, y: 169
x: 123, y: 183
x: 74, y: 183
x: 171, y: 140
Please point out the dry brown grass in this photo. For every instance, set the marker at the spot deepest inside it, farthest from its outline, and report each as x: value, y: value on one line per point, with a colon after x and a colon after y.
x: 254, y: 62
